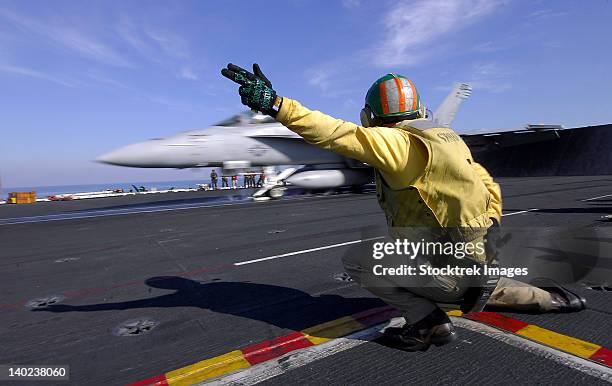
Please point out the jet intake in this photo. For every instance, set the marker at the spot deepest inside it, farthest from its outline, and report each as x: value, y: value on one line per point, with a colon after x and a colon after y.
x: 230, y: 168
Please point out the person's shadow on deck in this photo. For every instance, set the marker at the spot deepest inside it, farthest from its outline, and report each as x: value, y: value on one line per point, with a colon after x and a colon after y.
x: 280, y: 306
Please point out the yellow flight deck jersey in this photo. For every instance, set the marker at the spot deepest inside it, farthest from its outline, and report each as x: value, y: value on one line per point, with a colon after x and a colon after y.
x: 425, y: 175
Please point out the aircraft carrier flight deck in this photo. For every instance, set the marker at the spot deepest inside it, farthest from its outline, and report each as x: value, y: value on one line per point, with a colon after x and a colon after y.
x: 205, y: 287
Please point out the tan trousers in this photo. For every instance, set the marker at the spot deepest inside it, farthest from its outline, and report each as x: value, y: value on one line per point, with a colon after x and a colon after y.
x: 417, y: 302
x: 515, y: 295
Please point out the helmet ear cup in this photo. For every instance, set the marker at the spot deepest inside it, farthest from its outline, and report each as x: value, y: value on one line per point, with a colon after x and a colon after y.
x: 368, y: 119
x: 423, y: 111
x: 364, y: 117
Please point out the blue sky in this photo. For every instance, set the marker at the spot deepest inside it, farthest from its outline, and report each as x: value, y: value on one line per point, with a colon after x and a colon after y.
x: 80, y: 78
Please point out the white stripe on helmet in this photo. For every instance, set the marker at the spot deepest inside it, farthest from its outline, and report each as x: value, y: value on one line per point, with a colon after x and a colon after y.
x: 408, y: 93
x: 393, y: 95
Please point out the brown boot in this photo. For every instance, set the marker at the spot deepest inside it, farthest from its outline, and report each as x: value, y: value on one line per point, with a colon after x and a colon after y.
x: 562, y: 299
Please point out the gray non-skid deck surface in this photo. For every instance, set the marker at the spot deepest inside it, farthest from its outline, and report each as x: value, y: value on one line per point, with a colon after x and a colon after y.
x: 176, y: 268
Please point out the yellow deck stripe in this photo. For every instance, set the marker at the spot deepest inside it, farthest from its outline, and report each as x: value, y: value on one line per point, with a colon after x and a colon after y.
x: 206, y: 369
x: 334, y: 329
x: 562, y: 342
x: 324, y: 332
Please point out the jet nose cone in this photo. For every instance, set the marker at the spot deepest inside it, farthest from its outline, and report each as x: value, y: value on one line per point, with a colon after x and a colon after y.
x: 111, y: 158
x: 152, y: 154
x: 143, y: 154
x: 119, y: 157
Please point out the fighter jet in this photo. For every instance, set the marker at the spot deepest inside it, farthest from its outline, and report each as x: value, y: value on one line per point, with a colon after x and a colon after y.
x: 251, y: 140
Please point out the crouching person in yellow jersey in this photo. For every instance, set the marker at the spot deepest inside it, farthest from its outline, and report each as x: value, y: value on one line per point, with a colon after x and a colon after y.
x: 425, y: 177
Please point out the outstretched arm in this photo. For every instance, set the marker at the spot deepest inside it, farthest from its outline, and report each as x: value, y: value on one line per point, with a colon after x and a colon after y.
x: 384, y: 148
x: 381, y: 147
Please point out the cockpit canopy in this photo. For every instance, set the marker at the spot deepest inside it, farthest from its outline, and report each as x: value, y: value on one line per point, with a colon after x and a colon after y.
x: 247, y: 118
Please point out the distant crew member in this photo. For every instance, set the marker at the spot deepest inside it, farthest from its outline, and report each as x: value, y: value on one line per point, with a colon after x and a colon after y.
x: 213, y: 179
x: 261, y: 181
x: 250, y: 180
x: 235, y: 182
x: 224, y: 182
x: 426, y: 177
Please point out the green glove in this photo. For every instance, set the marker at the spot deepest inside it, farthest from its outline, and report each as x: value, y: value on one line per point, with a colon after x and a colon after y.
x: 255, y: 90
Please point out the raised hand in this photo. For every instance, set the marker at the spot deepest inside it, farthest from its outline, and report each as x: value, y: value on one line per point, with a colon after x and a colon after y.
x: 255, y: 89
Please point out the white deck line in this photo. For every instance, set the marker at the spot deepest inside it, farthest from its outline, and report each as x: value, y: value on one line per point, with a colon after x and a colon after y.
x: 306, y: 251
x: 596, y: 198
x: 335, y: 245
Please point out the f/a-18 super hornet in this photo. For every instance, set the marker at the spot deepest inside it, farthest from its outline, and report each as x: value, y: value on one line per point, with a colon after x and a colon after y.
x: 250, y: 140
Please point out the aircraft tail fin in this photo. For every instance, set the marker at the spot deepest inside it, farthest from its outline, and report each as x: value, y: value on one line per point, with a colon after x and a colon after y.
x: 445, y: 113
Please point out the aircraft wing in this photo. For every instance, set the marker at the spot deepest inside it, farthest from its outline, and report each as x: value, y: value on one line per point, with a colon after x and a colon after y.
x: 480, y: 140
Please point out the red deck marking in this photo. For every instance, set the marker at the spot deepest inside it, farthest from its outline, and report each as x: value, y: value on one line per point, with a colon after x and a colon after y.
x: 126, y: 284
x: 14, y: 306
x: 274, y: 348
x: 496, y: 320
x: 85, y: 292
x: 603, y: 355
x: 264, y: 351
x: 159, y: 380
x: 194, y: 272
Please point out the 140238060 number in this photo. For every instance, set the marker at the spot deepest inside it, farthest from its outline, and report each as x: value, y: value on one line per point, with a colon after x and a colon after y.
x: 24, y: 372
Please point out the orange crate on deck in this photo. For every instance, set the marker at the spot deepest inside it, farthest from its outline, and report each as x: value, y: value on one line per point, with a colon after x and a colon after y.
x: 22, y: 197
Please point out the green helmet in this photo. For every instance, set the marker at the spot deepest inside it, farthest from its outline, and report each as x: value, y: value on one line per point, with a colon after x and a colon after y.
x: 391, y: 98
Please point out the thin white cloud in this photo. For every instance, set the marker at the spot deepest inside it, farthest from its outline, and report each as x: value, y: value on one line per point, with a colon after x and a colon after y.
x: 140, y: 95
x: 443, y: 88
x: 170, y: 43
x: 76, y: 42
x: 409, y: 30
x: 494, y: 86
x: 488, y: 70
x: 490, y: 47
x: 107, y: 81
x: 543, y: 14
x: 152, y: 43
x: 166, y: 49
x: 330, y: 77
x: 24, y: 71
x: 411, y: 26
x: 68, y: 38
x: 320, y: 76
x: 127, y: 31
x: 188, y: 73
x: 172, y: 103
x: 490, y: 77
x: 351, y: 104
